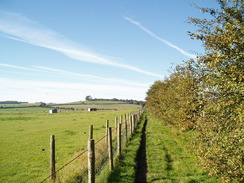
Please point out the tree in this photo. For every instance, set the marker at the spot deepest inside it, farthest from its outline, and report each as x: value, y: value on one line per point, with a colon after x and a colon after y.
x: 175, y: 100
x: 223, y: 88
x: 212, y: 85
x: 88, y: 98
x: 42, y: 104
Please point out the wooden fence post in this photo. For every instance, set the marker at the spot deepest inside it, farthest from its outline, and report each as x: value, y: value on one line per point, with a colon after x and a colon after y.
x: 52, y: 159
x: 90, y: 132
x: 110, y: 149
x: 131, y: 125
x: 119, y: 140
x: 91, y: 161
x: 116, y: 124
x: 126, y: 132
x: 136, y: 120
x: 121, y: 118
x: 106, y: 135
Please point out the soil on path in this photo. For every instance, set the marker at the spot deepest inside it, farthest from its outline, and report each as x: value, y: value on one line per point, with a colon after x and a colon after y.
x: 141, y: 171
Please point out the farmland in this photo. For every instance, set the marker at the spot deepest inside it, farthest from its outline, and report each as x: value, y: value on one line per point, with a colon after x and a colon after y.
x: 25, y: 133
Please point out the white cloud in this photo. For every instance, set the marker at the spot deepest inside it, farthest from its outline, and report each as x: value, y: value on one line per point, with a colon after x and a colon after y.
x: 18, y: 67
x: 18, y: 27
x: 138, y: 24
x: 97, y: 78
x: 34, y: 91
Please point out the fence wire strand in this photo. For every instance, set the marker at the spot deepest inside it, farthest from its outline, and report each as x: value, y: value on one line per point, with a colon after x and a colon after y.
x: 64, y: 165
x: 101, y: 154
x: 25, y: 157
x: 17, y: 151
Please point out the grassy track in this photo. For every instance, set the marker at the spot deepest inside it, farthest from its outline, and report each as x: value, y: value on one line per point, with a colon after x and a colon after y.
x: 169, y: 155
x: 125, y: 168
x: 25, y: 134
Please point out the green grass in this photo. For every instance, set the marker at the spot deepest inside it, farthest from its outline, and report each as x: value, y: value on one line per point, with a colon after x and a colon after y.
x: 125, y: 166
x: 105, y: 102
x: 170, y: 155
x: 95, y: 102
x: 25, y: 110
x: 108, y: 106
x: 25, y: 135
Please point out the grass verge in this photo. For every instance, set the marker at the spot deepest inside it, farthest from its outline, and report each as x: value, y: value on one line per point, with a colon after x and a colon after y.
x: 125, y: 165
x: 170, y: 155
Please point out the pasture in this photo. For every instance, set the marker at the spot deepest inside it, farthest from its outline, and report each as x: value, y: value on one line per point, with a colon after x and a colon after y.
x: 25, y: 134
x: 99, y: 106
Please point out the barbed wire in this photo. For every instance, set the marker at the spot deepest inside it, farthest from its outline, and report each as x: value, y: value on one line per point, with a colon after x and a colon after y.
x: 36, y: 145
x: 100, y: 169
x: 66, y: 164
x: 101, y: 139
x: 25, y: 157
x: 57, y: 143
x: 102, y: 158
x: 17, y: 151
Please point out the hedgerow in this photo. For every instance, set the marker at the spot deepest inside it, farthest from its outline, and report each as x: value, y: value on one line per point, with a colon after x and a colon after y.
x: 206, y: 94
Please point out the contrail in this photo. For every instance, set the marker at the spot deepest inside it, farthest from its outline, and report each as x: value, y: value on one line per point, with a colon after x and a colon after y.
x: 20, y: 28
x: 138, y: 24
x: 58, y: 71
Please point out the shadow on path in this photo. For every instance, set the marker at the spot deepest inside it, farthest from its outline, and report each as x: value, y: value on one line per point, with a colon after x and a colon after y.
x: 141, y: 167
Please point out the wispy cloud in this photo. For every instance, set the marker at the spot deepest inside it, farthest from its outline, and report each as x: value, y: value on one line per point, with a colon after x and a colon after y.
x: 20, y: 28
x: 18, y: 67
x: 77, y: 75
x: 138, y: 24
x: 109, y: 80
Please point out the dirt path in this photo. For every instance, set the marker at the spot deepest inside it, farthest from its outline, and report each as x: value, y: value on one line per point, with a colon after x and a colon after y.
x: 141, y: 172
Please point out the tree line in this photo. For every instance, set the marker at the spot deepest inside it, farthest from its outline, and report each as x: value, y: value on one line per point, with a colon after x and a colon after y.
x: 12, y: 102
x: 207, y: 94
x: 129, y: 101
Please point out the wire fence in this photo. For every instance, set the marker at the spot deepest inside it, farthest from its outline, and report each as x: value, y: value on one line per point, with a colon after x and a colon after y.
x: 76, y: 169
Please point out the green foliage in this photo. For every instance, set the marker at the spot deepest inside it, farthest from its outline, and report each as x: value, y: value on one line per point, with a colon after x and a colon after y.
x: 208, y: 94
x: 222, y: 128
x: 175, y: 99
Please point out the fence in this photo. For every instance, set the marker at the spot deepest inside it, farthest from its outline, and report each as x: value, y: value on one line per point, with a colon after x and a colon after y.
x: 86, y: 165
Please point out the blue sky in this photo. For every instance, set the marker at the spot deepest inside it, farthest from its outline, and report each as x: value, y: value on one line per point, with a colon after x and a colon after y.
x: 61, y: 51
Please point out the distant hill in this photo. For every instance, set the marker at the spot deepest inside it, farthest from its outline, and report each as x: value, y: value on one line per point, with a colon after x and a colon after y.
x: 114, y: 100
x: 11, y: 102
x: 105, y: 102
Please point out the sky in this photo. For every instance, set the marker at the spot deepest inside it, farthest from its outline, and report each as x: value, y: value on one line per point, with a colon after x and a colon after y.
x: 61, y: 51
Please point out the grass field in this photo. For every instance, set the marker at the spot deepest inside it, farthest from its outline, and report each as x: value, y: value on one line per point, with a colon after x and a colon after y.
x: 96, y: 102
x: 100, y: 106
x: 19, y: 105
x: 25, y: 134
